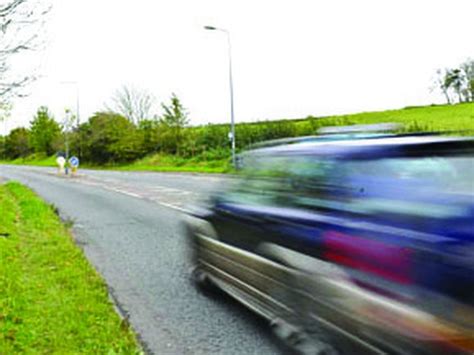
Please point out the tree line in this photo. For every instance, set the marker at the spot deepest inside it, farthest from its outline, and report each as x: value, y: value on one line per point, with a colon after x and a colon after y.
x: 124, y: 133
x: 106, y: 137
x: 457, y: 84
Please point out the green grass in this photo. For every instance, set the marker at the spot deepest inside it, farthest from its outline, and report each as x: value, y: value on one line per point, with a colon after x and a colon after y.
x: 458, y: 117
x: 51, y: 300
x: 34, y: 160
x: 162, y: 162
x: 156, y: 162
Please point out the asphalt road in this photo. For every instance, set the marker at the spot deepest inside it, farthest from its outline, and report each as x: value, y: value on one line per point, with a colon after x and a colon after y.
x: 129, y: 226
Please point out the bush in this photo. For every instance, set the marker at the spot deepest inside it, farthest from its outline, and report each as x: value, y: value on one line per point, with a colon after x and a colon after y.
x: 108, y: 138
x: 17, y: 143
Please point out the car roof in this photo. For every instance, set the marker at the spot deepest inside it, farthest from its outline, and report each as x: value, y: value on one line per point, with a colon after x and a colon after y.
x: 371, y: 146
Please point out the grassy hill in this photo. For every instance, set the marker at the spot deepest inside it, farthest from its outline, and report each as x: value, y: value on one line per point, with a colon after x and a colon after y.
x: 414, y: 118
x: 421, y: 118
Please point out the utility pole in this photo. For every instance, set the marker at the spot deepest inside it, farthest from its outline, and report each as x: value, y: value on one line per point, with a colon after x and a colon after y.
x: 231, y: 90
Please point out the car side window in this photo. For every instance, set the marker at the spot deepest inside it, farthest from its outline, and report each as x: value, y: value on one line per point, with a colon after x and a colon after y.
x: 264, y: 182
x: 411, y: 187
x: 318, y: 183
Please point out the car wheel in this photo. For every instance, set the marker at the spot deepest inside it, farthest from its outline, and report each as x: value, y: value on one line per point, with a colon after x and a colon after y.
x: 299, y: 341
x: 202, y: 281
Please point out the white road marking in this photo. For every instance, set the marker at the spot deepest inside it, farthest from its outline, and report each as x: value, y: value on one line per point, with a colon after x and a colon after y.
x: 125, y: 192
x: 128, y: 193
x: 132, y: 194
x: 174, y: 207
x: 105, y: 184
x: 168, y: 189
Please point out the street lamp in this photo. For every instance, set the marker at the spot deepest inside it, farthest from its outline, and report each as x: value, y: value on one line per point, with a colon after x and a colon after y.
x: 231, y: 86
x: 76, y: 84
x: 67, y: 123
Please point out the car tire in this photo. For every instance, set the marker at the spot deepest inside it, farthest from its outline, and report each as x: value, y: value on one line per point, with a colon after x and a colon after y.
x: 201, y: 280
x: 300, y: 342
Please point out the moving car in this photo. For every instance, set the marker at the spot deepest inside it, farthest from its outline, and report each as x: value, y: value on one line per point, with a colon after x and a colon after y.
x: 349, y: 242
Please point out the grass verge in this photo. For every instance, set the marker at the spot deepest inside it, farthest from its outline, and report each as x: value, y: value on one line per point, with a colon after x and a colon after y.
x: 162, y: 162
x: 51, y: 300
x: 155, y: 162
x: 34, y: 160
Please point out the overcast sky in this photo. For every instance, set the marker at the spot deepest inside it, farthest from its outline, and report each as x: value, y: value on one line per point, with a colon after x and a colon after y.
x: 291, y: 58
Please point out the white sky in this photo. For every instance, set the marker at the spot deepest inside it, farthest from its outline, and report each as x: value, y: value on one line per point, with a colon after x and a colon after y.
x: 291, y: 58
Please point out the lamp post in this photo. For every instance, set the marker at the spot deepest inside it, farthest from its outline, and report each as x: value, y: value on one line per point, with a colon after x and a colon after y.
x: 67, y: 123
x: 76, y: 84
x: 231, y: 88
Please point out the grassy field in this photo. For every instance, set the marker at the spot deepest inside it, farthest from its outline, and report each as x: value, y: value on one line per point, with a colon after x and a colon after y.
x: 437, y: 118
x: 51, y: 300
x: 458, y: 117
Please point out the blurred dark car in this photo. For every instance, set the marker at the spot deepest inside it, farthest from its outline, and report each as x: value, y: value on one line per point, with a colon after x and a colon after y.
x: 349, y: 243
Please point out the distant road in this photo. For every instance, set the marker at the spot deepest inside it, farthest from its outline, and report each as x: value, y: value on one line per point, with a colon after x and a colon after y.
x: 129, y: 227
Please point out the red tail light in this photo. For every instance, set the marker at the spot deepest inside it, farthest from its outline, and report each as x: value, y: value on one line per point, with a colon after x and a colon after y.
x: 374, y: 257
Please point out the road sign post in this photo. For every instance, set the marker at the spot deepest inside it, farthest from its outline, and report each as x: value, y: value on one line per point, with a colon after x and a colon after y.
x: 74, y: 162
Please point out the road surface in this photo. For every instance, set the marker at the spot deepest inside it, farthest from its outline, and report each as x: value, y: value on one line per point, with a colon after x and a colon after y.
x: 128, y: 225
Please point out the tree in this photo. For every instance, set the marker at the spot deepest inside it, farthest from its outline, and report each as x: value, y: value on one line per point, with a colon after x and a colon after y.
x: 17, y: 143
x: 110, y: 138
x: 468, y: 69
x: 150, y: 135
x: 45, y: 132
x: 2, y: 148
x: 174, y: 119
x: 440, y: 83
x: 454, y: 79
x: 5, y: 111
x: 21, y: 22
x: 458, y: 81
x: 79, y: 141
x: 134, y: 104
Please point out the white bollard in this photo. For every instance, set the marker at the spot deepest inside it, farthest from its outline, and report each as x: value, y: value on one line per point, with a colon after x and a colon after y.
x: 61, y: 163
